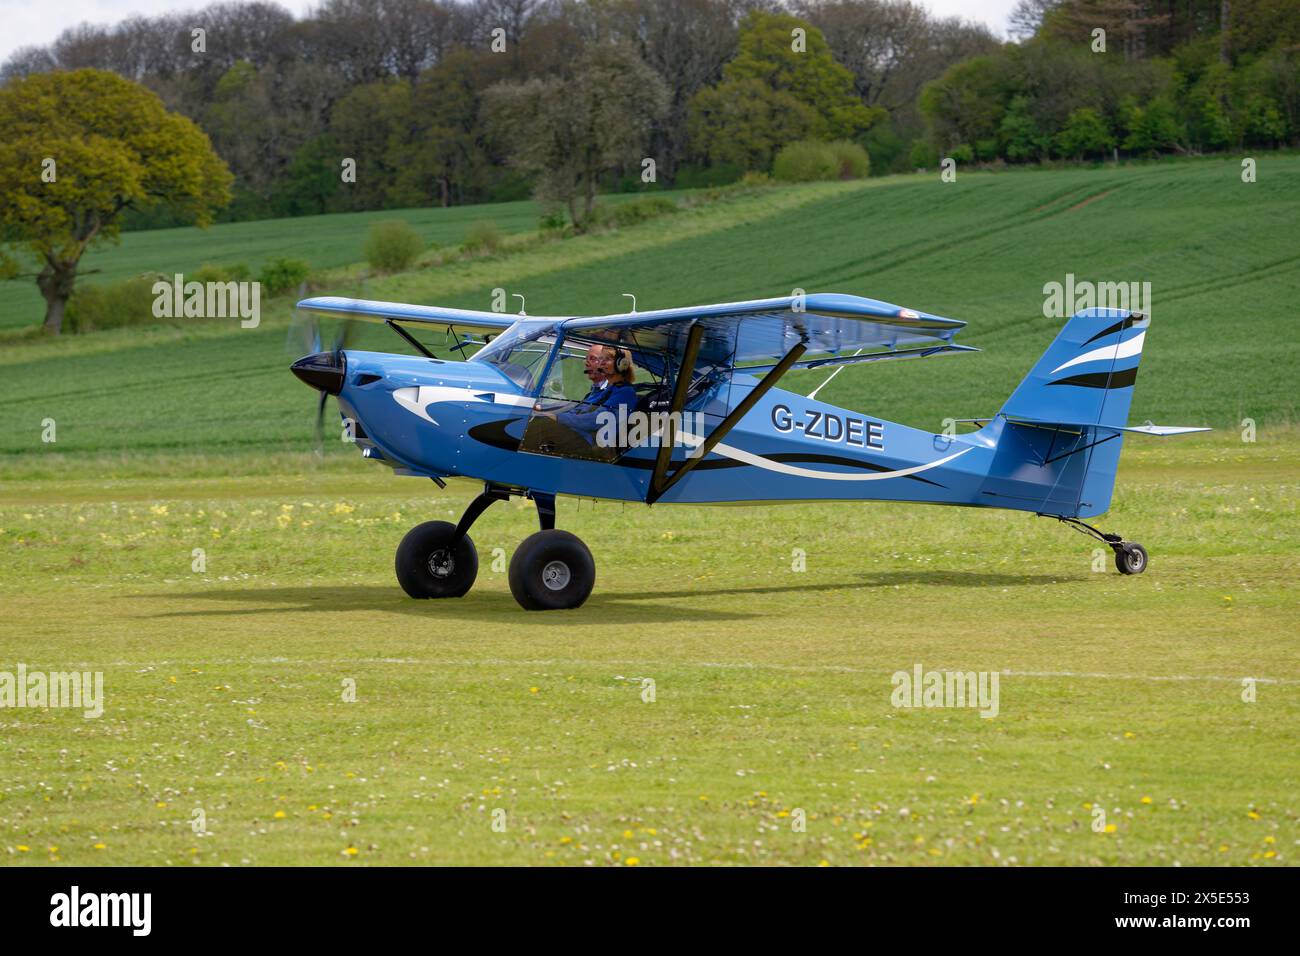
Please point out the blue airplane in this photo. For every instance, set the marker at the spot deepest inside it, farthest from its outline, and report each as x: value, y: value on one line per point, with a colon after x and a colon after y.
x: 703, y: 422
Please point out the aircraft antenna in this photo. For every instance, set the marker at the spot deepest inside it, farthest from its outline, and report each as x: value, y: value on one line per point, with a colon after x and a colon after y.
x: 629, y: 295
x: 516, y: 295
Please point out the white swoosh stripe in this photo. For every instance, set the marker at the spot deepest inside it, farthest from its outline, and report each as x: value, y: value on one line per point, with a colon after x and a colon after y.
x: 428, y: 394
x: 418, y: 399
x: 739, y: 454
x: 1110, y: 352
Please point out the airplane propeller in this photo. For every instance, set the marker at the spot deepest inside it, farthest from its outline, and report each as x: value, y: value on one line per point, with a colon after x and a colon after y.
x: 323, y: 370
x: 304, y: 334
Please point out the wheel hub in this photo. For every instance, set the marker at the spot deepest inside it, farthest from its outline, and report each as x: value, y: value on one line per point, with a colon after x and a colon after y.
x: 556, y: 575
x: 441, y: 563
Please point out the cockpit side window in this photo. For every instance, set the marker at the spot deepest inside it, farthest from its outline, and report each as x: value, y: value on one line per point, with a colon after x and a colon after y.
x: 520, y: 352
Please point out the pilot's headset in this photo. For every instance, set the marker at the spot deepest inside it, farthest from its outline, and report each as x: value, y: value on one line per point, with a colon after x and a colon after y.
x: 622, y: 360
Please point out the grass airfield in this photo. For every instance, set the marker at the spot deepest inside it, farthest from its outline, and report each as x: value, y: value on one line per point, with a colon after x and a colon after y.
x: 772, y: 694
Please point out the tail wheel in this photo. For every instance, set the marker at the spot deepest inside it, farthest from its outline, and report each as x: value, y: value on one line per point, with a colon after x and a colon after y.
x: 550, y: 571
x: 1131, y: 558
x: 430, y: 564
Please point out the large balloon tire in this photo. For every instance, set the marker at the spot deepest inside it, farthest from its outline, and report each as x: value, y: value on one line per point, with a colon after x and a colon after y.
x: 551, y: 571
x: 430, y: 565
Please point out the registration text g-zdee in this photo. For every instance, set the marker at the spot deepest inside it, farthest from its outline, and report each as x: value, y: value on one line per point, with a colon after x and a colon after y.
x: 861, y: 432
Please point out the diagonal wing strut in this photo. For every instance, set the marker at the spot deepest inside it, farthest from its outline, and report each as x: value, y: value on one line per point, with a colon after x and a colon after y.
x: 660, y: 481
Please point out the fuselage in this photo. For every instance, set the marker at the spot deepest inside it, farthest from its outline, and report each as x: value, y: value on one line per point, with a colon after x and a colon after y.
x: 442, y: 419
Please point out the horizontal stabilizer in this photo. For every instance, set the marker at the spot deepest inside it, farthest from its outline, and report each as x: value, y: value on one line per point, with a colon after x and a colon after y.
x: 1159, y: 431
x: 1162, y: 431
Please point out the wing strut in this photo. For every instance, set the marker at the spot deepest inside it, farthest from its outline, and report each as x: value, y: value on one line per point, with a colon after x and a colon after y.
x: 657, y: 490
x: 415, y: 343
x: 685, y: 371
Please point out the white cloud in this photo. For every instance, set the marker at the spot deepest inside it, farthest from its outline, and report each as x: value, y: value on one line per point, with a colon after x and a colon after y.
x: 992, y: 13
x: 29, y: 23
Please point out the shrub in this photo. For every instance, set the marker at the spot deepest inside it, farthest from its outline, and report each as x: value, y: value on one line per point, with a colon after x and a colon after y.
x: 805, y: 161
x: 483, y: 236
x: 809, y: 160
x: 634, y: 211
x: 632, y: 182
x: 963, y: 155
x: 1086, y: 133
x: 754, y: 178
x: 392, y: 246
x: 923, y: 155
x: 887, y: 149
x: 854, y: 160
x: 1152, y: 128
x: 552, y: 221
x: 1022, y: 138
x: 281, y: 275
x: 209, y: 272
x: 111, y: 305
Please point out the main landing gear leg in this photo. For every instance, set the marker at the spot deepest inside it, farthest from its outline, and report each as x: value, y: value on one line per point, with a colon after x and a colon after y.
x: 545, y: 509
x: 479, y: 505
x: 1130, y: 557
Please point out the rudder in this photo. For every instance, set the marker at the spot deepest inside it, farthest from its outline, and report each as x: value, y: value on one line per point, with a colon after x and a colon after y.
x: 1060, y: 439
x: 1086, y: 375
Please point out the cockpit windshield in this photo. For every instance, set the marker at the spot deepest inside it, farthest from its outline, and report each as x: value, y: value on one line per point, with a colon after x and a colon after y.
x: 520, y: 351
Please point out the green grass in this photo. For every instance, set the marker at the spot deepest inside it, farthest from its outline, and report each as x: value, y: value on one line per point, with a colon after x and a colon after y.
x: 224, y: 689
x: 1222, y: 257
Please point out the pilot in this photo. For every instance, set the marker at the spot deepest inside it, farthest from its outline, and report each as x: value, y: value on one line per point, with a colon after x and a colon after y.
x: 595, y: 365
x: 611, y: 374
x: 574, y: 432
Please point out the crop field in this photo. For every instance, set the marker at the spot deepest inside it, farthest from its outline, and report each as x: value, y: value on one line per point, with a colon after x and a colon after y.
x: 728, y: 693
x: 323, y: 242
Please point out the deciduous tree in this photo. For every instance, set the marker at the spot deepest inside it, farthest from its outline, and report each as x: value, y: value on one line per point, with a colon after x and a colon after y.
x: 77, y: 149
x: 568, y: 132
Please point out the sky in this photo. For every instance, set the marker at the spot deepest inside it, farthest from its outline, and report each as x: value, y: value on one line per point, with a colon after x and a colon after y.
x: 33, y: 23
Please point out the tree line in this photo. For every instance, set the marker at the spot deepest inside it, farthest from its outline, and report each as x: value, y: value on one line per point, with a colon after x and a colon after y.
x: 437, y: 102
x: 1097, y: 78
x: 446, y: 103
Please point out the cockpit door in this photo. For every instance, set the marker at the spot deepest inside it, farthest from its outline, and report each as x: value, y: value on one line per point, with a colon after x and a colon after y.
x: 570, y: 419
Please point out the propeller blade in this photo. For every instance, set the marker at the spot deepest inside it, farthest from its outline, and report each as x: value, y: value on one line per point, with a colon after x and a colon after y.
x: 303, y: 337
x: 346, y: 334
x: 319, y: 434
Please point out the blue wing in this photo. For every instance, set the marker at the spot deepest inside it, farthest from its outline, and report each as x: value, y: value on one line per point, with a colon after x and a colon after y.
x: 401, y: 312
x: 736, y: 333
